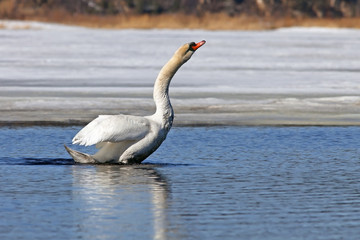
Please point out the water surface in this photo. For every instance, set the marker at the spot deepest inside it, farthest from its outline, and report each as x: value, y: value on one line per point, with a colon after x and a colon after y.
x: 203, y: 183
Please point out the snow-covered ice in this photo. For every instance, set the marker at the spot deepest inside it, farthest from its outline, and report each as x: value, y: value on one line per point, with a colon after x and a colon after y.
x: 55, y: 73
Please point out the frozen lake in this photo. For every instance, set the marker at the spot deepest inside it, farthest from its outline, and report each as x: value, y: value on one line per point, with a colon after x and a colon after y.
x: 54, y: 73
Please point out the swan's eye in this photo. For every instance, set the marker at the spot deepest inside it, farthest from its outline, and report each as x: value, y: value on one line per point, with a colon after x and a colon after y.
x: 191, y: 46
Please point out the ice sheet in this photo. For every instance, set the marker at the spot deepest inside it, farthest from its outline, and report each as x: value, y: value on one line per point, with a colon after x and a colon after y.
x: 290, y: 75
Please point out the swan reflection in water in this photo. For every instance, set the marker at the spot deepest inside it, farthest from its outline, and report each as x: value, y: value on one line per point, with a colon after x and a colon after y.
x: 120, y: 201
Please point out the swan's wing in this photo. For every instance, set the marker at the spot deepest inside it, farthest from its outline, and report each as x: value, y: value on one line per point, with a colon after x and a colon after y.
x: 112, y: 128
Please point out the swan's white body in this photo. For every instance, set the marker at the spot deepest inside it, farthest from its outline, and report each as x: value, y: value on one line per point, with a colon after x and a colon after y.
x: 129, y: 139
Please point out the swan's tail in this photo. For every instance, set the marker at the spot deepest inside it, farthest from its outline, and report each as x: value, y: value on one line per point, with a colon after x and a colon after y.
x: 80, y: 157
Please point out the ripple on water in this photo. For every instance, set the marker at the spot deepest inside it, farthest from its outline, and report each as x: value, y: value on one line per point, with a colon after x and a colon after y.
x: 202, y: 183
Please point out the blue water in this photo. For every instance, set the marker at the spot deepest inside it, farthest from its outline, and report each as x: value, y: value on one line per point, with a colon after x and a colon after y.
x: 203, y: 183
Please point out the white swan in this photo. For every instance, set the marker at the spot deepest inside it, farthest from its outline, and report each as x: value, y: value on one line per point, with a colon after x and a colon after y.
x: 129, y: 139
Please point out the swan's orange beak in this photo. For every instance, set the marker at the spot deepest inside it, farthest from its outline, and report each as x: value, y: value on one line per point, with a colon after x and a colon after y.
x: 199, y: 44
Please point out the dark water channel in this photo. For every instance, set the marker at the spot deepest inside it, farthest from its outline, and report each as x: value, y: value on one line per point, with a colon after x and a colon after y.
x: 203, y: 183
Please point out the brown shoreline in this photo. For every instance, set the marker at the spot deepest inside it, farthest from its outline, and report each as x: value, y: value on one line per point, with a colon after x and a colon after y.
x: 181, y: 21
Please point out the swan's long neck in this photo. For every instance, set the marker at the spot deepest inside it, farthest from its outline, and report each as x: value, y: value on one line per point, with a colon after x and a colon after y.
x: 161, y: 90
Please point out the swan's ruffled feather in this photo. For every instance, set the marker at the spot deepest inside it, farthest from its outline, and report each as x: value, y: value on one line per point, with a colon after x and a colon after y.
x: 112, y: 128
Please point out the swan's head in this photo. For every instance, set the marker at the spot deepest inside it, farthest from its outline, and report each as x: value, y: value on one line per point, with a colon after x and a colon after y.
x: 187, y: 50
